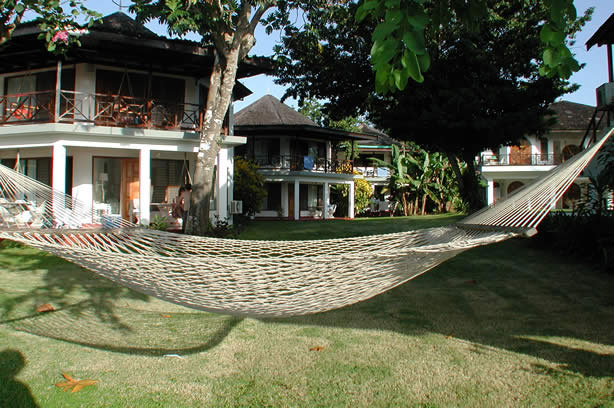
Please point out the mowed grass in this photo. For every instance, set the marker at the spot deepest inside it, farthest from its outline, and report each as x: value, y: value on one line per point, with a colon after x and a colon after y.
x: 505, y: 325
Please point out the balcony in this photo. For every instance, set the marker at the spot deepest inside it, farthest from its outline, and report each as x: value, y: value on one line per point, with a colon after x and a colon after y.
x: 303, y: 163
x: 520, y: 159
x: 98, y: 109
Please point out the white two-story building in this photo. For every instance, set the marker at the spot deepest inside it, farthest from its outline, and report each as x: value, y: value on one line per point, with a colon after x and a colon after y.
x: 114, y: 122
x: 296, y: 158
x: 511, y: 167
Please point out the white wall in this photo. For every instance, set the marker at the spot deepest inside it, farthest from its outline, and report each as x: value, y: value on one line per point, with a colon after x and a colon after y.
x: 85, y: 83
x: 82, y: 175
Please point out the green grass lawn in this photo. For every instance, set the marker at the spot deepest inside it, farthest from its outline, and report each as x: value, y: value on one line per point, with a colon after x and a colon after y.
x: 506, y: 325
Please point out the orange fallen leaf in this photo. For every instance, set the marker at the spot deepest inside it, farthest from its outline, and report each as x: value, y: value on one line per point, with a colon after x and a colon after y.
x: 76, y: 385
x: 471, y: 282
x: 316, y: 348
x: 165, y: 315
x: 47, y: 307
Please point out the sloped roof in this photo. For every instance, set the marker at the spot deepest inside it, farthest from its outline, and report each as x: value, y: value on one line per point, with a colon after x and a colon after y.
x: 270, y: 111
x: 123, y: 24
x: 268, y: 116
x: 603, y: 35
x: 381, y: 137
x: 571, y: 115
x: 118, y: 40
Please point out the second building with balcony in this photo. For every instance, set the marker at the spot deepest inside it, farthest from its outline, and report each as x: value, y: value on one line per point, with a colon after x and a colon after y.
x: 296, y: 158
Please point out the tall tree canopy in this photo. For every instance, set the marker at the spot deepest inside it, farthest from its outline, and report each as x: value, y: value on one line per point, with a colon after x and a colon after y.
x: 398, y: 50
x: 483, y: 87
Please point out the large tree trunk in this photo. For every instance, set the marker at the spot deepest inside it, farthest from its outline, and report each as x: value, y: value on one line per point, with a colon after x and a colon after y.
x: 231, y: 48
x: 221, y: 83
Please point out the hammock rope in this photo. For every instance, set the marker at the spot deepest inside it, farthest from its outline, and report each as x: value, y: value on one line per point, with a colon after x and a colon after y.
x: 262, y: 278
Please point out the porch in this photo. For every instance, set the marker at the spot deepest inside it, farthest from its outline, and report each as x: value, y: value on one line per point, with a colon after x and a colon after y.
x: 117, y: 173
x: 295, y: 162
x: 302, y: 196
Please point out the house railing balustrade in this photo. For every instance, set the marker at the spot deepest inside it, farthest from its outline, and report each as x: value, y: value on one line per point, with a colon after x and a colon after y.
x: 373, y: 171
x: 99, y: 109
x: 27, y: 107
x: 303, y: 163
x: 520, y: 159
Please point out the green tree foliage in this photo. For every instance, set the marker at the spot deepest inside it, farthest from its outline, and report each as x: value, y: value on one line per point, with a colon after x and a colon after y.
x: 483, y: 89
x: 57, y: 20
x: 229, y: 27
x: 399, y: 48
x: 248, y: 185
x: 417, y: 178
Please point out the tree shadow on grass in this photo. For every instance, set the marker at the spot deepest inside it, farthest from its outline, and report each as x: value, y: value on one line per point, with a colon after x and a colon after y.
x: 149, y: 333
x: 509, y: 296
x: 95, y: 312
x: 49, y: 279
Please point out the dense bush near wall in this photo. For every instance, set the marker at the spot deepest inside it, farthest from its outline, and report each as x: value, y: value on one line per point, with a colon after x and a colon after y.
x: 588, y: 237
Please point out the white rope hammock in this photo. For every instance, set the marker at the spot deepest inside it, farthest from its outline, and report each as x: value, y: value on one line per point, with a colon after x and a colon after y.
x: 262, y: 278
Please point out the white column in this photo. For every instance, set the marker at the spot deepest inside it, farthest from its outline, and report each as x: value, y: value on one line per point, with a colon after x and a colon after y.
x: 329, y: 150
x: 144, y: 185
x: 231, y: 119
x: 297, y: 202
x: 490, y: 191
x: 284, y: 200
x: 190, y: 98
x: 222, y: 183
x: 326, y: 200
x: 58, y: 90
x: 231, y: 175
x: 85, y: 86
x: 351, y: 201
x: 58, y: 182
x: 83, y: 189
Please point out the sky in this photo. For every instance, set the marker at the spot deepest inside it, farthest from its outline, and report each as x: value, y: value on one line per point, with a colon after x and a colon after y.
x: 589, y: 78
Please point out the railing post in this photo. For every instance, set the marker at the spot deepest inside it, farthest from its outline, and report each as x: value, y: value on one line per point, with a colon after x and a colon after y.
x: 58, y: 87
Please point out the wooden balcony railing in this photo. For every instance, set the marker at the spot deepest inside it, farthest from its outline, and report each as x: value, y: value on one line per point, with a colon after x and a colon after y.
x: 99, y: 109
x: 303, y: 163
x: 520, y: 159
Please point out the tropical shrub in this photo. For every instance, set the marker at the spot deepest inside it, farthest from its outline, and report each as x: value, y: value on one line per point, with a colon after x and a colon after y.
x: 248, y: 185
x: 159, y: 223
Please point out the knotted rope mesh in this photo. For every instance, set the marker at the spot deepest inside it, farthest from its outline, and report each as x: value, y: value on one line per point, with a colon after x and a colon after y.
x: 260, y: 278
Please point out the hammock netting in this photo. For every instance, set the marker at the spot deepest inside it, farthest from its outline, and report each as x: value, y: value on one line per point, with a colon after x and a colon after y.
x: 262, y: 278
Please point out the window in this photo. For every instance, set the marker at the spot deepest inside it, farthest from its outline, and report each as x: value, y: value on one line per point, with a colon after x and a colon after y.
x: 138, y: 85
x: 272, y: 201
x: 364, y: 160
x: 39, y: 169
x: 310, y: 196
x: 34, y: 95
x: 107, y: 183
x: 165, y: 173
